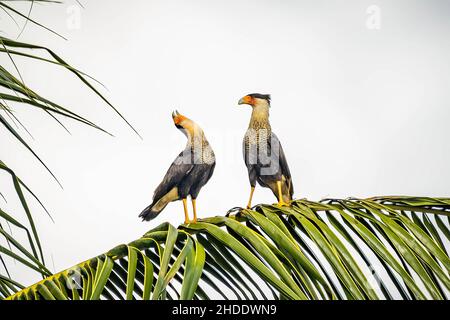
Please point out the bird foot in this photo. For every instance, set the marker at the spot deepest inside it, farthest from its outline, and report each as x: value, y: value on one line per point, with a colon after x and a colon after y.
x: 282, y: 204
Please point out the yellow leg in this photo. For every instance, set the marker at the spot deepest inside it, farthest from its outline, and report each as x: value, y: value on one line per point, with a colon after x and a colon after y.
x: 249, y: 205
x: 194, y: 208
x: 186, y: 215
x: 280, y: 195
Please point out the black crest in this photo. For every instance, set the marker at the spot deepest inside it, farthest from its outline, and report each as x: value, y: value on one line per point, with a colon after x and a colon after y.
x: 260, y: 96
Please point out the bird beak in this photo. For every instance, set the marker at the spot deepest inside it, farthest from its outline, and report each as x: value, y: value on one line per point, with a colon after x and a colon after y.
x: 178, y: 118
x: 245, y: 100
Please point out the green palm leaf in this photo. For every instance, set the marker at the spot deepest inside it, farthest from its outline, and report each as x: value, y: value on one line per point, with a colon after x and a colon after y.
x: 15, y: 94
x: 263, y: 244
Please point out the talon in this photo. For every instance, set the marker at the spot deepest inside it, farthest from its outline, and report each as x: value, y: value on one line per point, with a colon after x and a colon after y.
x: 283, y: 204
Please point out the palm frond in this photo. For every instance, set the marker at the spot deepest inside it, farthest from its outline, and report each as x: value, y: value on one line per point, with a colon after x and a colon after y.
x: 14, y: 93
x: 377, y: 248
x: 29, y: 253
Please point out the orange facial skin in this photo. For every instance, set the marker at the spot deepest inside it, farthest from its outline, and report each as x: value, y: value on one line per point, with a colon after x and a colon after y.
x: 178, y: 119
x: 184, y: 122
x: 247, y: 100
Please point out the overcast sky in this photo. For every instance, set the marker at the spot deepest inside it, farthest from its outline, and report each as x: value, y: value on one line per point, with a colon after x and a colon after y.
x: 360, y: 104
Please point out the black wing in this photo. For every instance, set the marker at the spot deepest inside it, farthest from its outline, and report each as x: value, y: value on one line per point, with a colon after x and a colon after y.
x: 250, y: 159
x: 284, y: 167
x: 176, y: 173
x: 245, y: 150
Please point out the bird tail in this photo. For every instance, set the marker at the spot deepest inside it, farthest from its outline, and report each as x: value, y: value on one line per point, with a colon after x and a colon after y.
x: 150, y: 212
x: 291, y: 190
x: 158, y: 205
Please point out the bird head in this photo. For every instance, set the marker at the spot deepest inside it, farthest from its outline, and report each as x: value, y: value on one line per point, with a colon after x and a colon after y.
x: 186, y: 125
x: 255, y: 99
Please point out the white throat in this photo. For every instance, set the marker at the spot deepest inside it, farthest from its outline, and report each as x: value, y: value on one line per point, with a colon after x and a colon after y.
x: 260, y: 113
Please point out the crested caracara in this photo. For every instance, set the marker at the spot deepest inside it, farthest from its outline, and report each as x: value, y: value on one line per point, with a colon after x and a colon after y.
x: 190, y: 171
x: 263, y: 154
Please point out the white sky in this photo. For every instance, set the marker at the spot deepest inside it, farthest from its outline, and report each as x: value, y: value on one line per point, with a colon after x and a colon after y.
x: 360, y: 112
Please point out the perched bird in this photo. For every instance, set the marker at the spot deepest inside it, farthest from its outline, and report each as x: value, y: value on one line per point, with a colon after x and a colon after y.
x: 263, y: 154
x: 190, y: 171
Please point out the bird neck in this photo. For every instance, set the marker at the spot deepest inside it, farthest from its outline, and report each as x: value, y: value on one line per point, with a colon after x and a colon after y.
x: 260, y: 117
x: 194, y: 135
x: 196, y: 139
x: 199, y: 149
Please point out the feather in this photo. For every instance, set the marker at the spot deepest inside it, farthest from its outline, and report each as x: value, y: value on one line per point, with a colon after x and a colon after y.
x: 188, y: 173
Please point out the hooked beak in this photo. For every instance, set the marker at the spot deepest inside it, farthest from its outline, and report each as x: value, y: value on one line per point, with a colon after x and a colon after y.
x: 246, y: 100
x: 178, y: 119
x: 175, y: 114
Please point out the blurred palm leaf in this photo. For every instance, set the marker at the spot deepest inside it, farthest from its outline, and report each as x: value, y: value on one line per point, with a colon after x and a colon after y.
x: 14, y: 93
x: 29, y: 254
x: 378, y: 248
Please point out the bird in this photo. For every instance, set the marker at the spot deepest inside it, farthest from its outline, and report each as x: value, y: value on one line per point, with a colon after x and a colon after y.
x: 188, y: 173
x: 263, y: 154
